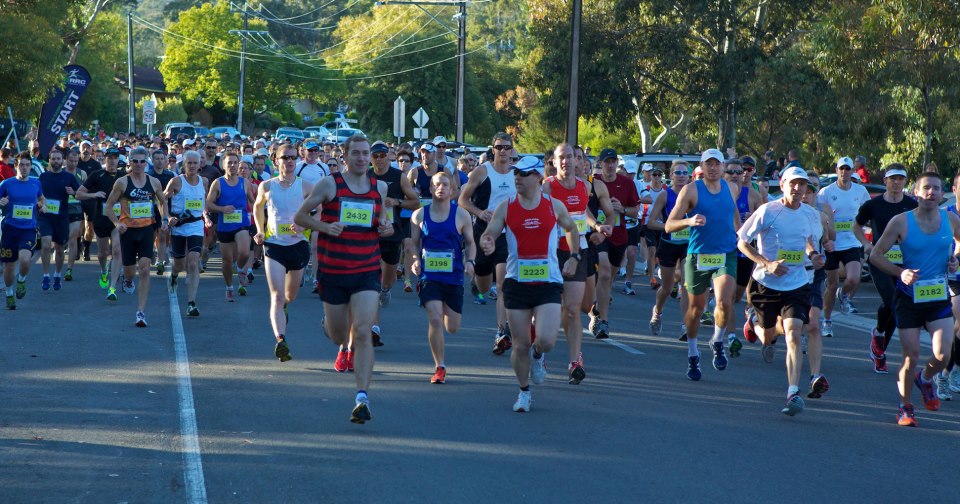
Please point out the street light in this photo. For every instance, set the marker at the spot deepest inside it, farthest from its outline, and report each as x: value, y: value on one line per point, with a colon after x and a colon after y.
x: 461, y: 18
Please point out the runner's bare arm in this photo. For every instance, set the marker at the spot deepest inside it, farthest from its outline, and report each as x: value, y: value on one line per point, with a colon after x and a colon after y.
x: 114, y: 197
x: 259, y: 213
x: 891, y: 235
x: 476, y: 177
x: 488, y: 241
x: 652, y: 222
x: 410, y: 200
x: 323, y: 192
x: 413, y: 247
x: 686, y: 201
x: 465, y: 227
x: 384, y: 225
x: 566, y: 223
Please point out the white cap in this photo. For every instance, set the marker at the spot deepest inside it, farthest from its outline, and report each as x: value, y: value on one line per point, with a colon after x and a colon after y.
x: 246, y: 159
x: 647, y: 166
x: 711, y: 154
x: 894, y: 171
x: 631, y: 166
x: 528, y: 163
x: 188, y: 141
x: 438, y: 140
x: 792, y: 173
x: 844, y: 161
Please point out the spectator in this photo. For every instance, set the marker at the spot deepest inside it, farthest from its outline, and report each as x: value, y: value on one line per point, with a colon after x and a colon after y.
x: 6, y: 167
x: 860, y: 168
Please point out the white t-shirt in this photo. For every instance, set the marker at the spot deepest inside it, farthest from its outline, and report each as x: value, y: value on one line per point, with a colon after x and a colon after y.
x: 845, y: 205
x: 312, y: 173
x: 779, y: 228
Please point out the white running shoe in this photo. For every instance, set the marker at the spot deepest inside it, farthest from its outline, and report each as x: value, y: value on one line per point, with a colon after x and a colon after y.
x: 538, y: 368
x: 943, y: 387
x: 953, y: 379
x: 523, y: 402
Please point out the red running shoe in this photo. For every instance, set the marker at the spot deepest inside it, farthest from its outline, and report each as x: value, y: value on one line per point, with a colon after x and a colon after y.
x: 905, y: 416
x: 350, y: 360
x: 748, y: 331
x: 928, y: 393
x: 340, y: 365
x: 440, y: 376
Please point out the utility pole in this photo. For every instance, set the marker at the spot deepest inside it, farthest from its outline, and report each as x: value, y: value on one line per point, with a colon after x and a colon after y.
x: 243, y: 68
x: 461, y: 35
x: 573, y: 87
x: 133, y: 123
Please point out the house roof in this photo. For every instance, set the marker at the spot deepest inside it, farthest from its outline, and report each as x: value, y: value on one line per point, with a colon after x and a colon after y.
x: 144, y: 79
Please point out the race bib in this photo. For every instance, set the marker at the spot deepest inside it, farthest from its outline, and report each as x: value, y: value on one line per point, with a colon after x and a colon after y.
x: 709, y: 262
x: 438, y: 261
x: 602, y: 219
x: 683, y: 234
x: 425, y: 201
x: 390, y: 214
x: 925, y: 291
x: 235, y: 217
x: 22, y: 211
x: 285, y: 229
x: 533, y: 270
x: 72, y: 200
x: 193, y: 204
x: 356, y: 212
x: 580, y: 219
x: 116, y: 209
x: 53, y: 206
x: 844, y: 226
x: 141, y: 210
x: 792, y: 257
x: 894, y: 255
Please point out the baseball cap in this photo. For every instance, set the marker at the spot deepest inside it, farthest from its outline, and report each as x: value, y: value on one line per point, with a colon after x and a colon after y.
x: 697, y: 171
x: 86, y: 142
x: 711, y: 154
x: 844, y: 161
x: 647, y: 166
x: 631, y: 166
x: 263, y: 152
x: 437, y: 140
x: 428, y: 146
x: 747, y: 160
x: 188, y: 142
x: 894, y: 171
x: 113, y: 151
x: 379, y: 146
x: 606, y: 154
x: 529, y: 163
x: 311, y: 144
x: 792, y: 173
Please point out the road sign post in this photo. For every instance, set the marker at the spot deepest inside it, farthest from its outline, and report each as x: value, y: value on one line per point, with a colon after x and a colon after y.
x: 421, y: 118
x: 150, y: 113
x: 399, y: 118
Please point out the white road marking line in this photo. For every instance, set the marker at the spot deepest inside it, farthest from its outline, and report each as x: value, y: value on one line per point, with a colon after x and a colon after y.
x: 192, y: 466
x: 621, y: 346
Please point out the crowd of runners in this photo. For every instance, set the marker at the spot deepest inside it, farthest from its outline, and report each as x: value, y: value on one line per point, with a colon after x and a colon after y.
x: 542, y: 239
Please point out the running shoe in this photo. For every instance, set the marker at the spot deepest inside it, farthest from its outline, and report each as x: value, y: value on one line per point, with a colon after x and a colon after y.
x: 693, y: 368
x: 628, y: 288
x: 768, y: 352
x: 407, y: 286
x: 794, y: 405
x: 11, y: 302
x: 954, y: 379
x: 655, y: 323
x: 203, y: 266
x: 68, y: 276
x: 229, y: 295
x: 523, y: 402
x: 350, y: 355
x: 719, y: 359
x: 479, y: 299
x: 683, y: 332
x: 439, y: 376
x: 905, y: 416
x: 250, y: 276
x: 594, y: 320
x: 501, y: 342
x: 851, y: 308
x: 104, y: 280
x: 242, y: 290
x: 192, y: 310
x: 734, y: 344
x: 375, y: 336
x: 57, y: 284
x: 111, y: 294
x: 384, y: 298
x: 400, y: 272
x: 173, y: 280
x: 706, y: 319
x: 818, y: 386
x: 826, y: 329
x: 603, y: 330
x: 129, y: 287
x: 340, y: 364
x: 675, y: 291
x: 141, y: 319
x: 281, y: 351
x: 928, y: 392
x: 748, y: 331
x: 21, y: 289
x: 492, y: 293
x: 45, y: 283
x: 654, y: 283
x: 943, y: 388
x: 361, y: 412
x: 842, y: 300
x: 538, y: 367
x: 160, y: 268
x: 877, y: 355
x: 257, y: 264
x: 621, y: 273
x: 576, y: 372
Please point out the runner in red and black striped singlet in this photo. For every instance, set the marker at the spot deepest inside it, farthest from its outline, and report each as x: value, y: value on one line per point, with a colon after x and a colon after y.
x: 357, y: 249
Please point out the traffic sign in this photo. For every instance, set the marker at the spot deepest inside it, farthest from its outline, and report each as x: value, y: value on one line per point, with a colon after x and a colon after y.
x: 399, y: 118
x: 420, y: 133
x: 149, y: 112
x: 420, y: 117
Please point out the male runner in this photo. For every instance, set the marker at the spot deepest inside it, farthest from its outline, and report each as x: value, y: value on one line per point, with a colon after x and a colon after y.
x: 187, y: 195
x: 228, y: 197
x: 533, y: 287
x: 96, y: 188
x: 21, y: 199
x: 54, y: 224
x: 158, y: 170
x: 927, y: 237
x: 74, y: 213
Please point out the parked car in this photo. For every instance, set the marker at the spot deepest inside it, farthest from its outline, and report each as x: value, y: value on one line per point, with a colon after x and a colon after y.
x: 202, y: 132
x: 218, y: 131
x: 286, y: 132
x: 174, y: 130
x: 316, y: 132
x: 342, y: 134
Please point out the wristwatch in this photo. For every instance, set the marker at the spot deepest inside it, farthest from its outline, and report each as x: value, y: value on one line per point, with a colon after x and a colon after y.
x: 576, y: 256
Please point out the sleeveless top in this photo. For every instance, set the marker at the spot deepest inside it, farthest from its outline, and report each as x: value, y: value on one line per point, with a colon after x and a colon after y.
x: 718, y: 236
x: 191, y: 200
x: 136, y: 204
x: 394, y: 190
x: 237, y: 197
x: 357, y: 249
x: 282, y: 205
x: 680, y: 237
x: 494, y: 189
x: 442, y: 254
x: 575, y: 200
x: 532, y: 237
x: 73, y: 204
x: 928, y: 253
x: 743, y: 206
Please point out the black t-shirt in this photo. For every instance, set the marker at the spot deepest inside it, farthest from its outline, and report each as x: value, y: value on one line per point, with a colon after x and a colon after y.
x: 89, y: 166
x: 101, y: 180
x: 877, y: 212
x: 394, y: 190
x: 211, y: 172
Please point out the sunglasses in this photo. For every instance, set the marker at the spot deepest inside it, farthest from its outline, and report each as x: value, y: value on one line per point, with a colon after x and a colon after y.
x: 656, y: 174
x: 845, y: 168
x: 681, y: 173
x: 503, y: 147
x: 734, y: 172
x: 313, y: 150
x: 378, y: 155
x: 288, y: 158
x: 138, y: 161
x: 520, y: 173
x: 442, y: 146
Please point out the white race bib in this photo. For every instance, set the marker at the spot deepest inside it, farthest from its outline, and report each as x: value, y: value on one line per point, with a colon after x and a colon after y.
x: 438, y: 261
x: 710, y: 262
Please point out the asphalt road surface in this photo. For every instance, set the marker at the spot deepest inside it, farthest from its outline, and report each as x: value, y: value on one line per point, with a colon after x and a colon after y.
x: 93, y: 409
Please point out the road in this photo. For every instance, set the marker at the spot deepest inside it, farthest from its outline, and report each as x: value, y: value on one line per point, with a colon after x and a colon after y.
x: 93, y: 409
